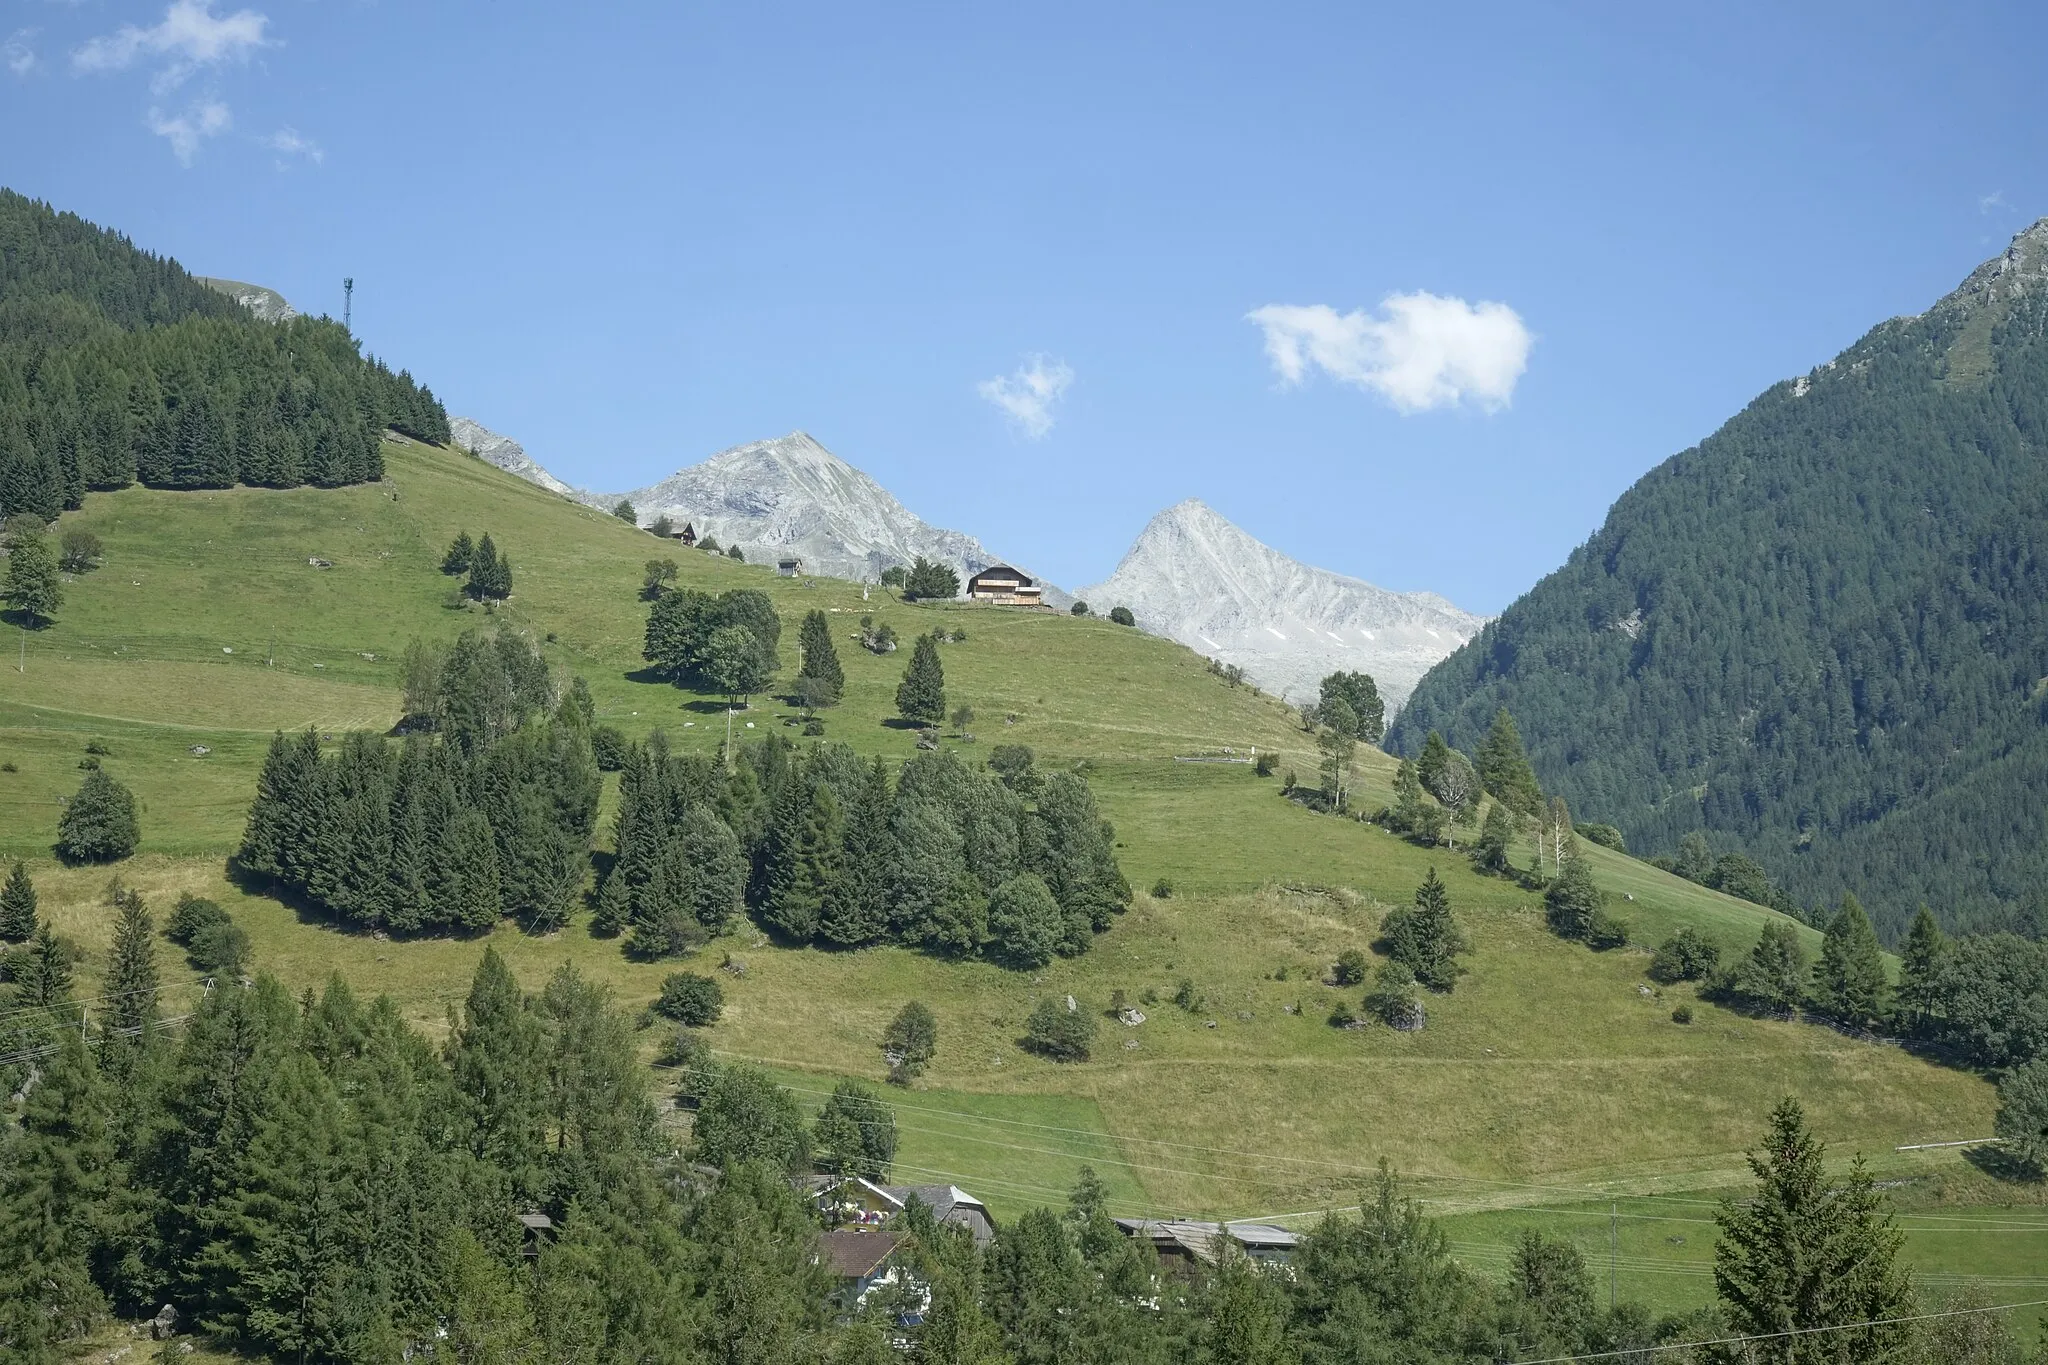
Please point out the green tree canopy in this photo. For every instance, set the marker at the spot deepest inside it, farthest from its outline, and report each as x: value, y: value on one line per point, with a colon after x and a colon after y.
x: 1848, y: 980
x: 1362, y: 695
x: 1425, y: 937
x: 35, y: 589
x: 18, y: 905
x: 1504, y: 767
x: 921, y: 696
x: 98, y: 824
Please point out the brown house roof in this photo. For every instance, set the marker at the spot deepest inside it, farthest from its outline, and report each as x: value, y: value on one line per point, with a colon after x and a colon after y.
x: 854, y: 1255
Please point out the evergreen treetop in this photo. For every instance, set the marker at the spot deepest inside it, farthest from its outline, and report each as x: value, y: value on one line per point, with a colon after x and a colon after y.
x: 98, y: 824
x: 921, y: 696
x: 18, y: 905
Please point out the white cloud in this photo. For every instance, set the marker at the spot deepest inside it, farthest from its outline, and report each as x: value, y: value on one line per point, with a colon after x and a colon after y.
x: 288, y: 142
x: 19, y: 56
x: 1029, y: 395
x: 191, y: 36
x: 1421, y: 351
x: 1993, y: 200
x: 204, y: 119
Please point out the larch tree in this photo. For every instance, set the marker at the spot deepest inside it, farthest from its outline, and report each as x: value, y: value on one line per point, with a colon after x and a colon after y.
x: 1848, y: 980
x: 1921, y: 958
x: 1504, y: 767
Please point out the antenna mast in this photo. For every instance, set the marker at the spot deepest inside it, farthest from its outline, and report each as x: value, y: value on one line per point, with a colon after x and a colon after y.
x: 348, y: 303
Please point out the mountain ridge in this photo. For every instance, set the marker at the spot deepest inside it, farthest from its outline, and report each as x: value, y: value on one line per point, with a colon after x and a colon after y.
x: 1194, y: 576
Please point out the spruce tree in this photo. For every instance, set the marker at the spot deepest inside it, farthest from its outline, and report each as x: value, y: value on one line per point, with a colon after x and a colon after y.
x: 1921, y: 959
x: 460, y: 554
x: 921, y: 696
x: 859, y: 910
x: 55, y: 1183
x: 1426, y: 938
x: 18, y: 906
x: 1490, y: 851
x: 820, y: 656
x: 494, y: 1056
x: 44, y: 977
x: 1429, y: 766
x: 712, y: 849
x: 1774, y: 976
x: 802, y: 872
x: 1804, y: 1252
x: 469, y: 898
x: 483, y: 570
x: 98, y: 824
x: 130, y: 985
x: 1848, y: 980
x: 1504, y: 767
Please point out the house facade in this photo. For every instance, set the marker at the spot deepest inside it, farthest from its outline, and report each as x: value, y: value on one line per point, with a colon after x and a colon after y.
x: 1005, y: 586
x: 687, y: 537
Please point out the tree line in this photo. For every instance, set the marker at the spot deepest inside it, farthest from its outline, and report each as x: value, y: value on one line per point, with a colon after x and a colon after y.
x: 825, y: 847
x: 118, y: 367
x: 312, y: 1178
x: 486, y: 809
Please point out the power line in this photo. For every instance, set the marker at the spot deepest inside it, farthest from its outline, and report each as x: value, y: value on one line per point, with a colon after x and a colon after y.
x: 1791, y: 1332
x: 96, y: 999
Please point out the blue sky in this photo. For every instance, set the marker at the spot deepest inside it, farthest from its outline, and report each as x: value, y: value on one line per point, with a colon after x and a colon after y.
x: 1045, y: 270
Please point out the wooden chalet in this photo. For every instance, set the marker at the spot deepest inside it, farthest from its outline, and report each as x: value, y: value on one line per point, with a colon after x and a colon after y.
x: 790, y: 567
x: 687, y: 537
x: 1004, y: 586
x: 853, y: 1202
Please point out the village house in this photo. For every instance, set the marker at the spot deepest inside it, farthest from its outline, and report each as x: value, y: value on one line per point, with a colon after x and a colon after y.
x: 1182, y: 1244
x: 860, y: 1260
x: 1004, y: 586
x: 852, y: 1202
x: 687, y: 537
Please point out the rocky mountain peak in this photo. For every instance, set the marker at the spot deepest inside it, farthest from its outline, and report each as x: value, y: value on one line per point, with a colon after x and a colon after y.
x: 1194, y: 576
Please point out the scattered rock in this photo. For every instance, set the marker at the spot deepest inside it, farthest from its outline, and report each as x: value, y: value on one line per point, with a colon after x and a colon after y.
x: 317, y: 562
x: 1073, y: 1006
x: 1131, y: 1016
x: 164, y: 1324
x: 199, y: 751
x: 225, y: 650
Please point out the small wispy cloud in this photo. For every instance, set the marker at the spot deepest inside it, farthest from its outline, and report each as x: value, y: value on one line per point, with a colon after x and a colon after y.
x: 290, y: 144
x: 16, y: 52
x: 1420, y: 351
x: 1029, y: 395
x: 190, y: 38
x: 203, y: 119
x: 1994, y: 200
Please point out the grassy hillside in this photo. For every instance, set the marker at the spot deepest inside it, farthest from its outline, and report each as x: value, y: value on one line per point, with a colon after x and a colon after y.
x: 1549, y: 1066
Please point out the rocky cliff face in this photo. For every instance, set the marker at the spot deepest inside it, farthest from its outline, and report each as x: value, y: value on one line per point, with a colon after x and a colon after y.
x: 1194, y: 577
x: 791, y: 496
x: 267, y: 304
x: 508, y: 455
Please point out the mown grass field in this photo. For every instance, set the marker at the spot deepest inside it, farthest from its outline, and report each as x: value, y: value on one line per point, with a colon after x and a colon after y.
x: 1548, y: 1066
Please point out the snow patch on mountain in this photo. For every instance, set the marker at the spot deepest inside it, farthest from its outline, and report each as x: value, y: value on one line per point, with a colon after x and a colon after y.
x: 1194, y: 577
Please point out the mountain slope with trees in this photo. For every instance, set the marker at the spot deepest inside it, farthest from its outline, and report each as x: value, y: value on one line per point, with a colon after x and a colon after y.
x: 1821, y: 636
x: 117, y: 367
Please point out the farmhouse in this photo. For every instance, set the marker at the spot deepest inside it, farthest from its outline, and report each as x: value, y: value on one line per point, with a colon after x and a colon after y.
x: 857, y: 1203
x: 1005, y: 586
x: 859, y: 1260
x: 789, y: 568
x: 687, y: 537
x: 1182, y: 1244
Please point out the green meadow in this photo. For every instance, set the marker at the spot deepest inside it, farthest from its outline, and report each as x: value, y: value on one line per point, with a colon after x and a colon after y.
x: 1552, y: 1081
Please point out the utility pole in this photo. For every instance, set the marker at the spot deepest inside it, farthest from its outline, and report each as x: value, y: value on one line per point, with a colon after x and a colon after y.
x: 348, y: 303
x: 1613, y: 1247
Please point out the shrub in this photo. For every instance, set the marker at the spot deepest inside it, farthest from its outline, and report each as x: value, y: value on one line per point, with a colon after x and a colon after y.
x: 1264, y: 764
x: 81, y: 552
x: 1685, y: 956
x: 1351, y: 964
x: 608, y: 746
x: 1607, y: 836
x: 1187, y: 997
x: 1682, y: 1015
x: 1057, y: 1032
x: 1162, y: 889
x: 221, y: 948
x: 690, y: 999
x: 814, y: 727
x: 1341, y: 1015
x: 1392, y: 997
x: 192, y: 915
x: 910, y: 1042
x: 1078, y: 609
x: 1606, y: 931
x: 97, y: 746
x: 1122, y: 616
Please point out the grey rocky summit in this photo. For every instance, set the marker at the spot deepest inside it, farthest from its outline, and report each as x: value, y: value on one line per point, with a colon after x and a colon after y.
x: 1194, y: 577
x: 508, y: 455
x: 266, y: 304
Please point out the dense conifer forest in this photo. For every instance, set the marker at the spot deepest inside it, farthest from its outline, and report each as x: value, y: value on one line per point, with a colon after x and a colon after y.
x: 116, y: 366
x: 1821, y: 636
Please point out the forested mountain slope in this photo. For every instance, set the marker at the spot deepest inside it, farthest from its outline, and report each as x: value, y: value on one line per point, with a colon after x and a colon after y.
x: 117, y: 366
x: 1822, y: 634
